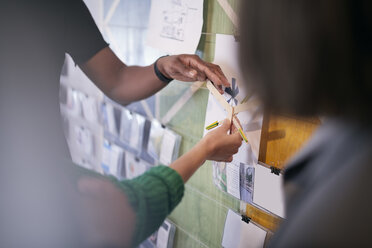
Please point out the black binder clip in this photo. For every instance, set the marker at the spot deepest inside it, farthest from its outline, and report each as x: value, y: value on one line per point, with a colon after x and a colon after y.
x: 275, y: 170
x: 246, y: 219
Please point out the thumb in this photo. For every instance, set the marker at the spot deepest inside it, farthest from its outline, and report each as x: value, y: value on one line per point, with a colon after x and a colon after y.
x: 226, y: 125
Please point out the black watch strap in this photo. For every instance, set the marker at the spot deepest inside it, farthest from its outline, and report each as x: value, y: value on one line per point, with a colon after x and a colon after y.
x: 160, y: 75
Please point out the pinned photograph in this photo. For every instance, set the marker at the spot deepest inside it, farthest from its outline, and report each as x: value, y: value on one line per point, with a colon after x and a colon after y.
x: 246, y: 183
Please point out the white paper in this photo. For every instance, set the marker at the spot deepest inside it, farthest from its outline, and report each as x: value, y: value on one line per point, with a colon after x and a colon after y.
x: 226, y: 55
x: 167, y: 147
x: 238, y: 234
x: 84, y: 139
x: 155, y: 140
x: 110, y: 118
x: 163, y: 235
x: 89, y: 105
x: 111, y: 158
x: 73, y: 102
x: 175, y: 25
x: 134, y: 133
x: 126, y: 125
x: 133, y: 166
x: 233, y: 179
x: 268, y: 191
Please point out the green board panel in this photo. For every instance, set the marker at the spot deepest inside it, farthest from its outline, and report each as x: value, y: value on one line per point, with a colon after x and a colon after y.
x: 201, y: 215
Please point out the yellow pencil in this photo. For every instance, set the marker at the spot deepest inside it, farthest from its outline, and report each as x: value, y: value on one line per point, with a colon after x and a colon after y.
x: 213, y: 125
x: 217, y: 123
x: 243, y: 135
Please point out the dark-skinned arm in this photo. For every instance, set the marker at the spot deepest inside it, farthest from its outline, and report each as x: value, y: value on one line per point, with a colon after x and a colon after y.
x: 126, y: 84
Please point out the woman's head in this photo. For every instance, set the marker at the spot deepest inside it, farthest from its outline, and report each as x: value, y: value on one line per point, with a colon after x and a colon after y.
x: 309, y: 57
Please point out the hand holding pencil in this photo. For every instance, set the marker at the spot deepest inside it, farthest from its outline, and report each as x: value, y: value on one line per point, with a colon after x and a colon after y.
x: 235, y: 124
x: 221, y: 145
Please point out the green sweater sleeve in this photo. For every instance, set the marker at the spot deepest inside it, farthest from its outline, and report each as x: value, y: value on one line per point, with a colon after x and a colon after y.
x: 153, y: 196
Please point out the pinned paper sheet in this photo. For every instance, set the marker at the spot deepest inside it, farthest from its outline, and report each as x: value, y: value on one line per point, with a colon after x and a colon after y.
x: 233, y: 179
x: 73, y: 102
x: 239, y: 234
x: 110, y: 158
x: 90, y: 110
x: 155, y: 140
x: 109, y: 116
x: 84, y: 139
x: 167, y: 147
x: 136, y: 131
x: 246, y: 182
x: 133, y: 166
x: 165, y: 235
x: 268, y: 192
x: 175, y: 25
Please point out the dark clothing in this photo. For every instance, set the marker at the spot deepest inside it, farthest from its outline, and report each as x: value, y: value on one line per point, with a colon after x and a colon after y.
x: 37, y: 201
x: 35, y: 35
x: 40, y: 201
x: 328, y: 190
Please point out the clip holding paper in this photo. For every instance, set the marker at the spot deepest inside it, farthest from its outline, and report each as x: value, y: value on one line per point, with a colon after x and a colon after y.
x: 275, y: 170
x: 246, y: 219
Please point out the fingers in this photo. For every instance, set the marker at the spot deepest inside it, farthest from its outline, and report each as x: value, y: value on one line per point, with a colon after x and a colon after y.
x: 183, y: 73
x: 222, y: 76
x: 229, y: 159
x: 226, y: 125
x: 234, y: 141
x: 234, y: 129
x: 201, y: 77
x: 206, y: 70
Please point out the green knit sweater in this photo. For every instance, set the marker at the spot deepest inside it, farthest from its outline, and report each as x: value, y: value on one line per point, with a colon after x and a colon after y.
x: 153, y: 196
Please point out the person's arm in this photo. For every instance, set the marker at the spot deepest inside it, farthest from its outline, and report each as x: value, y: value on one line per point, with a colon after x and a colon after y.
x: 126, y: 84
x: 216, y: 146
x: 148, y: 199
x: 155, y: 194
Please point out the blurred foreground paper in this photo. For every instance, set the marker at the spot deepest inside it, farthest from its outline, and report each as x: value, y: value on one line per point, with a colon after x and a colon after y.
x: 175, y: 25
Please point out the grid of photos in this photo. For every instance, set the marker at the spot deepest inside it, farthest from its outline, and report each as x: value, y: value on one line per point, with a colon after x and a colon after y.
x: 143, y: 143
x: 111, y: 139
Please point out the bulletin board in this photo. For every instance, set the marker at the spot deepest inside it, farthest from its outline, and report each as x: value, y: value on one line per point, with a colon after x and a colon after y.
x: 200, y: 217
